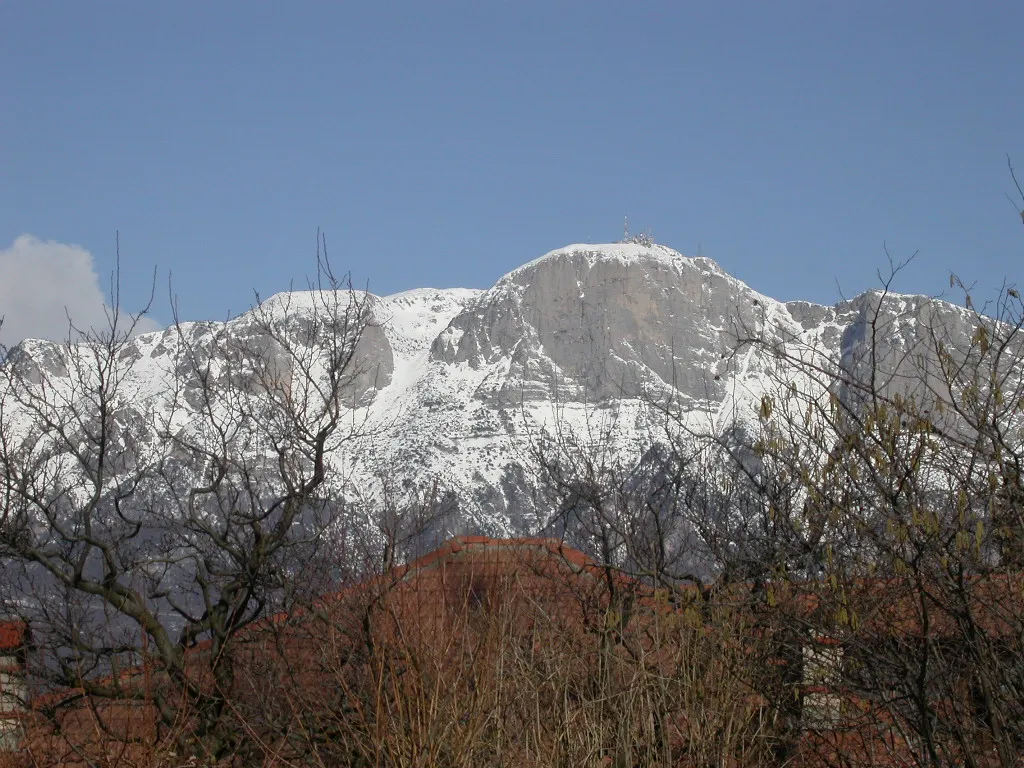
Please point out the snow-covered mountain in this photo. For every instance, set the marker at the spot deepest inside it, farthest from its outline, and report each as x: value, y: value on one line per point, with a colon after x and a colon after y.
x: 456, y: 384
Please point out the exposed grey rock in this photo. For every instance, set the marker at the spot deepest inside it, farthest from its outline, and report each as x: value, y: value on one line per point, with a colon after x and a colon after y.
x: 458, y: 385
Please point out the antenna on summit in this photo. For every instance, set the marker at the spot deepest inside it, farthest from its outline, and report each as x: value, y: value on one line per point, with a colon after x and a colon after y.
x: 625, y: 229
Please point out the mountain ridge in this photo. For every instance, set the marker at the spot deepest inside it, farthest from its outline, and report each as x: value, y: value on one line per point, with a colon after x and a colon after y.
x: 454, y: 384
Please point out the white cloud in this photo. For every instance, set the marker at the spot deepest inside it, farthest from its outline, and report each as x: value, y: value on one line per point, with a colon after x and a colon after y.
x: 42, y: 283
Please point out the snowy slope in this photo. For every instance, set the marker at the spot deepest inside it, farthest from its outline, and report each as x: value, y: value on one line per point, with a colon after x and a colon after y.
x: 455, y: 385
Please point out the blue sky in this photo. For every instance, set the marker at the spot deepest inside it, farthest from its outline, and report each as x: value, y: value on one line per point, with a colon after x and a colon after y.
x: 446, y: 143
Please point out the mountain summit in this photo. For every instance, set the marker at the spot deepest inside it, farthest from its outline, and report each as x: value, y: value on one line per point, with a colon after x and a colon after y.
x: 454, y: 385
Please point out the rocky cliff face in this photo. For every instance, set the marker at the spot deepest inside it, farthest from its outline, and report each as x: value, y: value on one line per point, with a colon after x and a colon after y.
x: 454, y: 384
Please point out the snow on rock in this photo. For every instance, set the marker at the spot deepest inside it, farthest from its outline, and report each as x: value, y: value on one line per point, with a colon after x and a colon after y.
x: 456, y: 383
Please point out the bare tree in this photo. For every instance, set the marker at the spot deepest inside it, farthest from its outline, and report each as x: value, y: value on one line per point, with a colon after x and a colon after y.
x: 901, y: 465
x: 867, y: 525
x: 151, y: 516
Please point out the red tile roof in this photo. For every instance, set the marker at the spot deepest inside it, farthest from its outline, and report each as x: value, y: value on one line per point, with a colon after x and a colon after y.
x: 12, y: 635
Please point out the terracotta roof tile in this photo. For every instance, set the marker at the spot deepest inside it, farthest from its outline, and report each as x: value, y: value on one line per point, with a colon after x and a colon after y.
x: 12, y: 635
